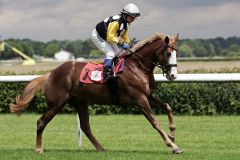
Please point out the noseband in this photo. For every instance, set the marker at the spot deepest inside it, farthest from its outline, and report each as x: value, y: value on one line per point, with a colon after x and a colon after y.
x: 163, y: 66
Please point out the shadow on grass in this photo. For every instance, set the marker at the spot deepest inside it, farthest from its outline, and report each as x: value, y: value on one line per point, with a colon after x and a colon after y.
x: 107, y: 151
x: 88, y: 151
x: 56, y: 154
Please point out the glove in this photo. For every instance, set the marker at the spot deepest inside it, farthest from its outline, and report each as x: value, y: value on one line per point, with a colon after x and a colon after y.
x: 125, y: 46
x: 131, y: 45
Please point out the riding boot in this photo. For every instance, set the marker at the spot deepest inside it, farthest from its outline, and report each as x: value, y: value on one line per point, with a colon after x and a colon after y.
x: 107, y: 74
x: 107, y: 71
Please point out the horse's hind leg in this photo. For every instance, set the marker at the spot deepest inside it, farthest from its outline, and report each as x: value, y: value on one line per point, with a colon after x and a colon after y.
x: 83, y: 115
x: 53, y: 108
x: 172, y: 126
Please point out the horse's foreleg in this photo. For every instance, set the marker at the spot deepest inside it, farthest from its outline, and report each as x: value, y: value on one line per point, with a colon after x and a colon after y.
x: 172, y: 126
x: 83, y: 115
x: 143, y: 104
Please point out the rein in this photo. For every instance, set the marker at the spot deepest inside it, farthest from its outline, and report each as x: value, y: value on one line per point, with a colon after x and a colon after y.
x: 163, y: 66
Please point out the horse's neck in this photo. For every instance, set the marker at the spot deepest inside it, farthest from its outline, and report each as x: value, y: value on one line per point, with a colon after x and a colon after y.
x: 146, y: 54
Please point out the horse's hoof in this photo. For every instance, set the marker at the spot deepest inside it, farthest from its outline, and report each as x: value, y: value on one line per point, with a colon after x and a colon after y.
x: 101, y: 149
x: 177, y: 151
x: 39, y: 150
x: 172, y: 138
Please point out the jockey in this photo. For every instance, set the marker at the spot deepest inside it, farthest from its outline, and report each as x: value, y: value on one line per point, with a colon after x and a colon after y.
x: 111, y: 35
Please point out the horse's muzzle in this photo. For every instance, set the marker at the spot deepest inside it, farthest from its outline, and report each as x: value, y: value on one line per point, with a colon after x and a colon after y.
x: 171, y: 77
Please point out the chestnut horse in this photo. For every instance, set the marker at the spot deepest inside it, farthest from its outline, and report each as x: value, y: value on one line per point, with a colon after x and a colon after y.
x: 134, y: 86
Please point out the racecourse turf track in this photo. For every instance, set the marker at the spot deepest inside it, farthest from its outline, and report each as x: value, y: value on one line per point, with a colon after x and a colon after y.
x: 123, y: 136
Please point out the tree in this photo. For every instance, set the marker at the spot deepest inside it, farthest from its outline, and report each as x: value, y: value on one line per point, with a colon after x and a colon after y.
x: 200, y: 51
x: 232, y: 51
x: 9, y: 53
x: 38, y: 47
x: 27, y: 47
x: 78, y: 48
x: 185, y: 51
x: 187, y: 47
x: 95, y: 54
x: 88, y: 46
x: 234, y: 47
x: 51, y: 49
x: 69, y: 46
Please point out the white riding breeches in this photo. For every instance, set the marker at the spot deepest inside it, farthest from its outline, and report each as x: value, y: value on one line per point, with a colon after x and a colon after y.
x: 109, y: 49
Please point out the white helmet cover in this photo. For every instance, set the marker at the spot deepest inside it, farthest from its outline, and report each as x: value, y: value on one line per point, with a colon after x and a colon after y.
x: 132, y: 10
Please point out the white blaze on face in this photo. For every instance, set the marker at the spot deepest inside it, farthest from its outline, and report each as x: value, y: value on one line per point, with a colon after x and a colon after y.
x: 173, y: 70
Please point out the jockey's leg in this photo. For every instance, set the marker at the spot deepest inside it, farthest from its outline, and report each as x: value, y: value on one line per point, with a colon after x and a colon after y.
x: 107, y: 72
x: 112, y: 50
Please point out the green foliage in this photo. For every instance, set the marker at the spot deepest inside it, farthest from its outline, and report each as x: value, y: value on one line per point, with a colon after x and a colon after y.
x: 187, y: 47
x: 51, y: 49
x: 25, y: 46
x: 95, y: 54
x: 185, y: 50
x: 88, y: 46
x: 209, y: 47
x: 8, y: 93
x: 232, y: 51
x: 79, y: 48
x: 201, y: 98
x: 185, y: 99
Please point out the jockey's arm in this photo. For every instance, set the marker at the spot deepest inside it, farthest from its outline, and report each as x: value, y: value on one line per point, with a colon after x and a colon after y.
x: 112, y: 32
x: 125, y: 37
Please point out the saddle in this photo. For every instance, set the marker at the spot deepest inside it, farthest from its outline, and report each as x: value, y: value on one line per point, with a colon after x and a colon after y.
x: 93, y: 72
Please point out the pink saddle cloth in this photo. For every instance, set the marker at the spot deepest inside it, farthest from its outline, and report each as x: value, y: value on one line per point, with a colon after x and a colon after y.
x: 93, y: 72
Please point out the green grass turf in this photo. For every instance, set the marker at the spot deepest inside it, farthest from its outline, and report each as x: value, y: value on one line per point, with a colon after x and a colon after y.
x: 123, y: 136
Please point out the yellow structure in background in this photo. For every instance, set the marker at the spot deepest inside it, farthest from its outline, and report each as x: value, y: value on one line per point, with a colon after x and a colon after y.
x: 1, y: 46
x: 28, y: 60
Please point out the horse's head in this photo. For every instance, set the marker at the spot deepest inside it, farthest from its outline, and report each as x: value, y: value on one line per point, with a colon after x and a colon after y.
x: 159, y: 50
x: 166, y: 56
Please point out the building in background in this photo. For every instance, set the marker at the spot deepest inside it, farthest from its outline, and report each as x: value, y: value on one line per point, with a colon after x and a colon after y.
x: 63, y: 56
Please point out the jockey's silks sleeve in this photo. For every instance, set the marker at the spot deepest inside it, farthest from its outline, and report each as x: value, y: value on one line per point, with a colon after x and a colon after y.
x: 112, y: 32
x: 125, y: 37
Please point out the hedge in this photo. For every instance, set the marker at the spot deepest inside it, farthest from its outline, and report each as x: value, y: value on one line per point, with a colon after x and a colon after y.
x: 185, y: 99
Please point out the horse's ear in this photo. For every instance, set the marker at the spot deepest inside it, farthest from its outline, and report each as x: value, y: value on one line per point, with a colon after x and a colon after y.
x: 176, y: 38
x: 166, y: 39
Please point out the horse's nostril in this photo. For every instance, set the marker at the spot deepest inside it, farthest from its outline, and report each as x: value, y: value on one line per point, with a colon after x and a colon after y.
x: 173, y: 76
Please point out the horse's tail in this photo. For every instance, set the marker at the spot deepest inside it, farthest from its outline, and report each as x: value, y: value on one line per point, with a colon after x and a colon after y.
x: 28, y: 93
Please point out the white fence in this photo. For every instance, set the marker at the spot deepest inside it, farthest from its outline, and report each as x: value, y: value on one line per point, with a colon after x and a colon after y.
x: 217, y: 77
x: 211, y: 77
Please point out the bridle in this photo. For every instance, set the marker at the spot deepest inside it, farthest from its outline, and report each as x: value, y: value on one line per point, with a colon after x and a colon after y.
x: 163, y: 66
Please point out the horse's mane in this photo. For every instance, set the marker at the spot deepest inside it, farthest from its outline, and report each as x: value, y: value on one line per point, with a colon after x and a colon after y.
x: 141, y: 43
